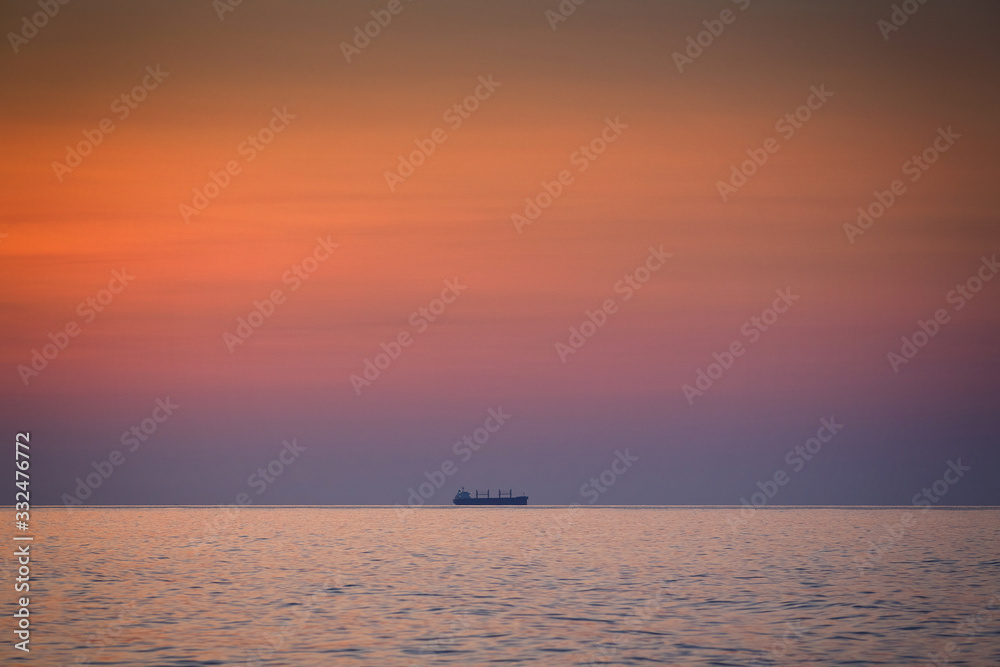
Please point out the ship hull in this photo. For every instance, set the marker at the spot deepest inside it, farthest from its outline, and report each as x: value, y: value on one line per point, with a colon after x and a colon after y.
x: 518, y: 500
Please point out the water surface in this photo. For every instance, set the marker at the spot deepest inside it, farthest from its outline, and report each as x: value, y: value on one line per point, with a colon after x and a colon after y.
x: 494, y: 585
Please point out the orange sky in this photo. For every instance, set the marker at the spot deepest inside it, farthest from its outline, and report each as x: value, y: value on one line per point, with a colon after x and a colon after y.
x: 323, y: 175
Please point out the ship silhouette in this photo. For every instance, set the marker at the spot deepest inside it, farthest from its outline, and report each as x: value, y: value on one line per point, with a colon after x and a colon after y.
x: 463, y: 497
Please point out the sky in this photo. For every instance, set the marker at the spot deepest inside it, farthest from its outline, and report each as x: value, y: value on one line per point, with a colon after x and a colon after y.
x: 607, y: 256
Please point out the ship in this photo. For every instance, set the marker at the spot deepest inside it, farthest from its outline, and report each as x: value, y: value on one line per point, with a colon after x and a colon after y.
x: 463, y: 497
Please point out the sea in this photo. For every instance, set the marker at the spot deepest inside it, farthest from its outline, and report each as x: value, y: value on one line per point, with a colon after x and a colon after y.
x: 529, y: 585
